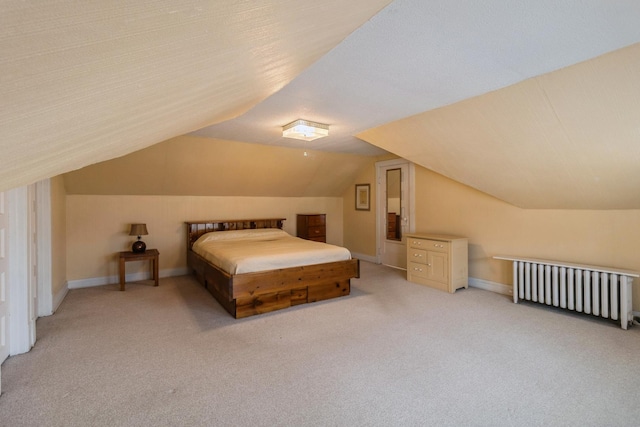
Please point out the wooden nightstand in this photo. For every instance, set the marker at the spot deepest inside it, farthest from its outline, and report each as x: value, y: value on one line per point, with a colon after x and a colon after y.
x: 150, y: 254
x: 312, y: 227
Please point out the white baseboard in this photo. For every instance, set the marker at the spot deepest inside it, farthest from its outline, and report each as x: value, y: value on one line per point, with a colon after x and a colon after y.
x: 133, y: 277
x: 490, y: 286
x: 59, y: 297
x: 364, y: 257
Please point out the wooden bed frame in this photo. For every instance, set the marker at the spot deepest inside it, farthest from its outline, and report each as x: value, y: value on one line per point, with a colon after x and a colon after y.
x: 248, y: 294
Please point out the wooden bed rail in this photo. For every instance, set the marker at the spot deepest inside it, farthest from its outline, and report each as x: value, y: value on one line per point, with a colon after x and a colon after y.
x: 195, y: 229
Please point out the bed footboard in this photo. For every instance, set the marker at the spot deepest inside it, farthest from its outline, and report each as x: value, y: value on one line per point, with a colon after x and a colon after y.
x: 244, y: 295
x: 257, y: 293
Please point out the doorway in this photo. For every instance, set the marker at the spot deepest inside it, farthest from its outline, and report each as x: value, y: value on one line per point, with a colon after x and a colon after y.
x: 21, y: 248
x: 394, y: 210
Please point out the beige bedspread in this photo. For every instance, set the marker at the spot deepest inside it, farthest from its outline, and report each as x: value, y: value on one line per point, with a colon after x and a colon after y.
x: 247, y: 251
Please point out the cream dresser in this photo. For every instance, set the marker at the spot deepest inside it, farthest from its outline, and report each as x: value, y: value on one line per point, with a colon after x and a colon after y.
x: 438, y: 261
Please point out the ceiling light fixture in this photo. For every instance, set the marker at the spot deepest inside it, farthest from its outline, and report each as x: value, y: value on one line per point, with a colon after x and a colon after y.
x: 305, y: 130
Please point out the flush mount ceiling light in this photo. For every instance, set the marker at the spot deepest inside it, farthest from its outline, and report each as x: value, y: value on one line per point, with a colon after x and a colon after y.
x: 305, y: 130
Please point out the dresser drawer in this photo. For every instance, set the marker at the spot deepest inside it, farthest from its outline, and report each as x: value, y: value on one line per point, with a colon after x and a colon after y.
x: 316, y: 231
x: 436, y: 245
x: 417, y: 270
x: 417, y: 255
x: 313, y: 220
x: 430, y: 245
x: 412, y: 242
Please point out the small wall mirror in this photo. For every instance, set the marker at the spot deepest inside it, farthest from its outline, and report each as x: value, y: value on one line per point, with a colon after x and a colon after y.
x: 394, y: 203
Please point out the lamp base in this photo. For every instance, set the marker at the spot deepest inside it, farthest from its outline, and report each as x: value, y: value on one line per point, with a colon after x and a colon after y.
x: 139, y: 246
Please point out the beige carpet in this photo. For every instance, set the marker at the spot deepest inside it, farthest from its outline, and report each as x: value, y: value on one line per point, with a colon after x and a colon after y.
x: 391, y: 353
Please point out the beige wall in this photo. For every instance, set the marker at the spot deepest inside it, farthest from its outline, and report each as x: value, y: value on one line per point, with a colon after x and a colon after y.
x: 360, y: 226
x: 190, y: 178
x: 98, y: 225
x: 58, y: 235
x: 196, y: 166
x: 606, y: 237
x: 600, y: 237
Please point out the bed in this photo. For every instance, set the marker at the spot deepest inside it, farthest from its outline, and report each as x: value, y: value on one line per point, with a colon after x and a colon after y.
x: 274, y: 278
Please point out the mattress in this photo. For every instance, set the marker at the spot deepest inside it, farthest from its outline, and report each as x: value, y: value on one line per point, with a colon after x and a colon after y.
x: 249, y: 251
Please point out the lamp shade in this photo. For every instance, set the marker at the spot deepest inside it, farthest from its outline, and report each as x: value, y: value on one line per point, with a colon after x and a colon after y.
x: 138, y: 230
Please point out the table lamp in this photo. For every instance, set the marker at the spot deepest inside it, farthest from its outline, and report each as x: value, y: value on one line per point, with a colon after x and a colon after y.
x: 138, y: 230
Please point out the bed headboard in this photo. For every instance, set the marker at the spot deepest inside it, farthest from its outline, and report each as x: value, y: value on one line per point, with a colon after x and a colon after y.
x: 195, y: 229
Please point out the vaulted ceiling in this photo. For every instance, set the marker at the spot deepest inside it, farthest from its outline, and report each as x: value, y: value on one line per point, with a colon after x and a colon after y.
x: 83, y: 82
x: 567, y: 140
x: 535, y: 103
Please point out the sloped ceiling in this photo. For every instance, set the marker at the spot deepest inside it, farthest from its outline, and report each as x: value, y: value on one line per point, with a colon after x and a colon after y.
x: 195, y: 166
x: 83, y: 82
x: 533, y: 102
x: 558, y: 141
x: 567, y: 139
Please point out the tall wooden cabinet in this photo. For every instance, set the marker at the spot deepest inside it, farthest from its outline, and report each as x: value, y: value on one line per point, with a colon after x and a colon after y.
x: 438, y: 261
x: 312, y: 227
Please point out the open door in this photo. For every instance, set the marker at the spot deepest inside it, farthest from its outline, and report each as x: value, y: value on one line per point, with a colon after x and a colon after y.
x: 394, y: 212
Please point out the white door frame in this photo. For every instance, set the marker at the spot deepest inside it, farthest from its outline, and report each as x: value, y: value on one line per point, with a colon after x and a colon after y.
x: 44, y: 268
x: 18, y: 280
x: 21, y: 295
x: 381, y: 207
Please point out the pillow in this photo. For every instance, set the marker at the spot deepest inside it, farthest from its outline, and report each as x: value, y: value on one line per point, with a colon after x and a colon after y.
x: 254, y: 234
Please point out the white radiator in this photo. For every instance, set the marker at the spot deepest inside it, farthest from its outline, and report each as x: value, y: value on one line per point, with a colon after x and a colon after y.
x: 600, y: 291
